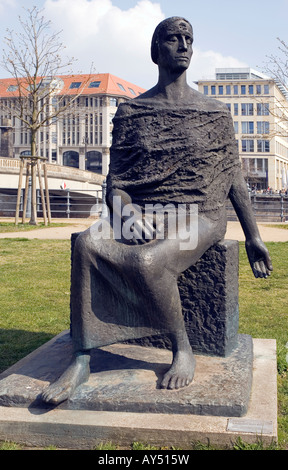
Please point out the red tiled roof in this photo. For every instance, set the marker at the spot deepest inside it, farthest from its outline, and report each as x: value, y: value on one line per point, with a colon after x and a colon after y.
x: 108, y: 85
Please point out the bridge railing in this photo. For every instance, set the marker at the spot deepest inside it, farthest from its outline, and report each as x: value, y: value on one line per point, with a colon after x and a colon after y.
x: 266, y: 207
x: 64, y: 203
x: 76, y: 204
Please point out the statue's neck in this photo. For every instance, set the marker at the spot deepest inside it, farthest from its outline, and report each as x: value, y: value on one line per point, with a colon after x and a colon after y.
x: 172, y: 87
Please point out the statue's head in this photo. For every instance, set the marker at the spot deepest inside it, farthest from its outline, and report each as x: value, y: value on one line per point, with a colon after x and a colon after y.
x: 166, y: 33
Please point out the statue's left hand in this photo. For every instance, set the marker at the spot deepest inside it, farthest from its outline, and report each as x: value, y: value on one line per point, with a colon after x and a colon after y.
x: 259, y: 258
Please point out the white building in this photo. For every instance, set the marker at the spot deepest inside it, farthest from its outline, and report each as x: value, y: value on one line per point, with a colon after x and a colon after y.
x: 82, y: 137
x: 259, y: 107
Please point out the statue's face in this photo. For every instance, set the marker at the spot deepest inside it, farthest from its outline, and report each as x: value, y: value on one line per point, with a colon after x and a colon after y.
x: 175, y: 46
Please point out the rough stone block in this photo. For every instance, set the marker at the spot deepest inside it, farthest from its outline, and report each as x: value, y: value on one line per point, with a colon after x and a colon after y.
x: 210, y: 301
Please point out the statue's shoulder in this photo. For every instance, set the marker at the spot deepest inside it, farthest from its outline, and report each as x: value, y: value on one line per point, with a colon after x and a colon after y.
x: 150, y: 101
x: 128, y: 108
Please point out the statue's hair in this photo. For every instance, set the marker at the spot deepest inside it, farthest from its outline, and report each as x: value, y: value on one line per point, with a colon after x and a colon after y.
x: 157, y: 34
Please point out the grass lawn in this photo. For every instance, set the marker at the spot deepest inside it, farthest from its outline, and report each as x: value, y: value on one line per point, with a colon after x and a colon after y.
x: 6, y: 227
x: 282, y: 226
x: 34, y: 303
x: 34, y: 294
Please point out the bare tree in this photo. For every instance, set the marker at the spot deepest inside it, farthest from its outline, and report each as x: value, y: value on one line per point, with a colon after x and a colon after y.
x: 34, y: 58
x: 277, y: 68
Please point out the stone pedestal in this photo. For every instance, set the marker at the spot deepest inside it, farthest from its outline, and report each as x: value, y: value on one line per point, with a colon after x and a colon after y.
x: 121, y: 403
x: 126, y: 377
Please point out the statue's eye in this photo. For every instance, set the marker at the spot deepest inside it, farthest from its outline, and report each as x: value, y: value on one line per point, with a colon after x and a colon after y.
x: 172, y: 38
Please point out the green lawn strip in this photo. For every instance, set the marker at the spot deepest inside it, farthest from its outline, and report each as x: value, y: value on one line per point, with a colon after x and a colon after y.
x: 281, y: 226
x: 263, y: 305
x: 8, y: 227
x: 35, y: 296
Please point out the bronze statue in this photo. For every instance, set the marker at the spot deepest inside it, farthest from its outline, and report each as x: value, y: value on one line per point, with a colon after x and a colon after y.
x: 171, y: 146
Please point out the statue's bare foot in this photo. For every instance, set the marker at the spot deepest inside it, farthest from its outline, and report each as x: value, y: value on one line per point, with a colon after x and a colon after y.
x: 181, y: 372
x: 76, y: 374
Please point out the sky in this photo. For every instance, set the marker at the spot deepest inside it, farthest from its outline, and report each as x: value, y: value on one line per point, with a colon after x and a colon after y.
x: 114, y: 36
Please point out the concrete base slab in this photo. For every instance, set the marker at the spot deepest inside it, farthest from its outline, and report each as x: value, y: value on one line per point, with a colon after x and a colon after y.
x: 83, y: 429
x: 126, y: 377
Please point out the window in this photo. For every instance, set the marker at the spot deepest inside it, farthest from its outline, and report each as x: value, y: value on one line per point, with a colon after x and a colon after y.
x: 262, y: 109
x: 121, y: 86
x: 263, y: 127
x: 113, y: 102
x: 261, y: 164
x: 94, y: 84
x: 132, y: 91
x: 251, y: 89
x: 220, y: 89
x: 247, y: 127
x: 243, y: 89
x: 12, y: 88
x: 263, y: 146
x: 236, y: 127
x: 75, y: 85
x: 235, y: 109
x: 258, y: 89
x: 228, y: 106
x: 228, y: 89
x: 247, y: 109
x: 235, y: 89
x: 213, y: 90
x: 205, y: 90
x: 266, y: 89
x: 248, y: 145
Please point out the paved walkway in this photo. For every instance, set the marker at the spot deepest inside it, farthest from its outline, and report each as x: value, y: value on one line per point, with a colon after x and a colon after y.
x: 234, y: 231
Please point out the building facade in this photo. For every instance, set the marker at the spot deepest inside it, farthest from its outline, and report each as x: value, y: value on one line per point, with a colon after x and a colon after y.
x: 259, y: 108
x: 81, y: 136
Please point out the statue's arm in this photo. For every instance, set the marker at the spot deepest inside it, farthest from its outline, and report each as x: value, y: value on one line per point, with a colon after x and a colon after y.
x: 257, y: 252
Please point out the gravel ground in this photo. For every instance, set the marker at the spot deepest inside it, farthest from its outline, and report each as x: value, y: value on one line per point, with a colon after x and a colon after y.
x: 234, y: 231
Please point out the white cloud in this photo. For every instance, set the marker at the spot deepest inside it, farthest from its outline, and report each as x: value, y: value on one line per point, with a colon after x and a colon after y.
x: 114, y: 40
x: 6, y: 4
x: 118, y: 41
x: 204, y: 63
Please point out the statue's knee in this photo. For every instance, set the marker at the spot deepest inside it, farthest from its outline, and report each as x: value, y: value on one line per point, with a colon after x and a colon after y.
x: 81, y: 244
x: 145, y: 263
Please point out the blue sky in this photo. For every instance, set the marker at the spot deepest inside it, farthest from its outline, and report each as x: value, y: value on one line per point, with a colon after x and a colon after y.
x: 115, y: 35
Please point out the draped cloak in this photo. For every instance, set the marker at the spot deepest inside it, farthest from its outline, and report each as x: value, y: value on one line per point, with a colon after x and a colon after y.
x: 168, y: 154
x: 160, y: 154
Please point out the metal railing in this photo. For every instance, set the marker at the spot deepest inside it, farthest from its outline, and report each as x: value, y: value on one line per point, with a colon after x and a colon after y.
x: 77, y: 203
x: 64, y: 203
x: 266, y: 207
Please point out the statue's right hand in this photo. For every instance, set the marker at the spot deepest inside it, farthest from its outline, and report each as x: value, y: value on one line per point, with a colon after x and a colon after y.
x: 137, y: 229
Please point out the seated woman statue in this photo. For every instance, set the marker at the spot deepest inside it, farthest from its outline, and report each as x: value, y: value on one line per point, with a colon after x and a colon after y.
x: 171, y: 145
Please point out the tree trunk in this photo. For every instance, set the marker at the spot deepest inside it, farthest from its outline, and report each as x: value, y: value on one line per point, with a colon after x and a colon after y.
x: 33, y: 220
